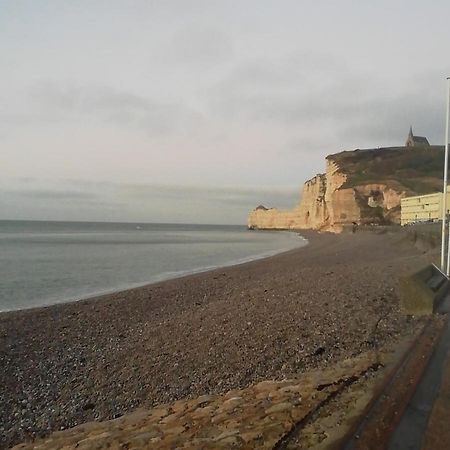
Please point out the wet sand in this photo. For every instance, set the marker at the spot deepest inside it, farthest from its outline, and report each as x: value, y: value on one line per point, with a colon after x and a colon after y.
x: 206, y: 333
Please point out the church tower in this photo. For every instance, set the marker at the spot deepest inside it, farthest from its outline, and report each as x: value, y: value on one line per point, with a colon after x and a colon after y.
x: 416, y: 141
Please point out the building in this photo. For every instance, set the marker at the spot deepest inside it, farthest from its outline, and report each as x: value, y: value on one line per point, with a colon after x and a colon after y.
x: 422, y: 208
x: 416, y: 141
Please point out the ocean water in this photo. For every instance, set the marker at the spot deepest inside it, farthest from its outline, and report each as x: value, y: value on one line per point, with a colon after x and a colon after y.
x: 43, y: 263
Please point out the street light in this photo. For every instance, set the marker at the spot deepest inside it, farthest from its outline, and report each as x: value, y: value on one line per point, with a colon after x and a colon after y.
x: 444, y: 191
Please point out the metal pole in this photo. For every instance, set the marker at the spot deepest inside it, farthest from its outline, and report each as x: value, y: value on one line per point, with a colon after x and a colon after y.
x: 444, y: 190
x: 448, y: 253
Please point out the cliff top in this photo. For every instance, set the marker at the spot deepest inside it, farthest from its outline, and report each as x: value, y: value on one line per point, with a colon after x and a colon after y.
x: 418, y: 170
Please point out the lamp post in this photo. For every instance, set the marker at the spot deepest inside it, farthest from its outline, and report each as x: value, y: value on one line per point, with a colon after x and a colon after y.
x: 448, y: 252
x: 444, y: 191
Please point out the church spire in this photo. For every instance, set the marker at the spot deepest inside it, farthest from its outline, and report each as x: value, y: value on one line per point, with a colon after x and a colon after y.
x: 416, y: 141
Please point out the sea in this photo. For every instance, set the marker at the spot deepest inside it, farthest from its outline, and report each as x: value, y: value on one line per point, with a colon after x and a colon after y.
x: 43, y: 263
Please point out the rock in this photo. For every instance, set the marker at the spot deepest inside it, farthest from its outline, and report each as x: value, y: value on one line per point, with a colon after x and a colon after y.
x: 226, y: 434
x: 280, y: 407
x: 231, y: 403
x: 175, y: 430
x: 319, y: 351
x: 237, y: 419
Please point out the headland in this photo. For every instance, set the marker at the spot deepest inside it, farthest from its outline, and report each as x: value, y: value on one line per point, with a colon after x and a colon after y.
x: 359, y: 187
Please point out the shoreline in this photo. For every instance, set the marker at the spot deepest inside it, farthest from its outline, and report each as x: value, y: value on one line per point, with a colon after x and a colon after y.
x: 205, y: 333
x: 163, y: 278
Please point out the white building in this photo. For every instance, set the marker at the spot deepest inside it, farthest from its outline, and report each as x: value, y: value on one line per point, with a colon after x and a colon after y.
x: 422, y: 208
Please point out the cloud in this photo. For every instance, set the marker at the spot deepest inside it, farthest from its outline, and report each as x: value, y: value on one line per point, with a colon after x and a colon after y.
x: 284, y: 73
x: 198, y: 46
x: 81, y: 200
x: 207, y: 98
x: 106, y: 104
x: 50, y: 194
x: 385, y: 120
x: 284, y: 89
x: 357, y: 108
x: 224, y: 195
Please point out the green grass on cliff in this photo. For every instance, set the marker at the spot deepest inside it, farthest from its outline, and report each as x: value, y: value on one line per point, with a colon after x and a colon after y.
x: 417, y: 170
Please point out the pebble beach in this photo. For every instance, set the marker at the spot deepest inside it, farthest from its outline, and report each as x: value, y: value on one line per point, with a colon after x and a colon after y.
x: 203, y: 334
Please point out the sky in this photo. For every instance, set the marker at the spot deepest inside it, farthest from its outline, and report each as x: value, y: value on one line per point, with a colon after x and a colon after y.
x: 196, y: 111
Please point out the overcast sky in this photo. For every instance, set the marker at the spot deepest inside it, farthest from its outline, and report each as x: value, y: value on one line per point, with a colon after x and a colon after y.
x: 197, y: 111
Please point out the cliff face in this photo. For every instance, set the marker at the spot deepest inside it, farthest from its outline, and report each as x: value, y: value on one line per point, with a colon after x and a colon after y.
x: 312, y: 210
x: 363, y: 187
x: 273, y: 218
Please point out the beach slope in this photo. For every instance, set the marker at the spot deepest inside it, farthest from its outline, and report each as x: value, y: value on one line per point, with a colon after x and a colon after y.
x: 208, y: 333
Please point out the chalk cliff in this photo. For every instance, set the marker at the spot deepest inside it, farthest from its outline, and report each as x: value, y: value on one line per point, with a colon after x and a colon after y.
x: 361, y: 186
